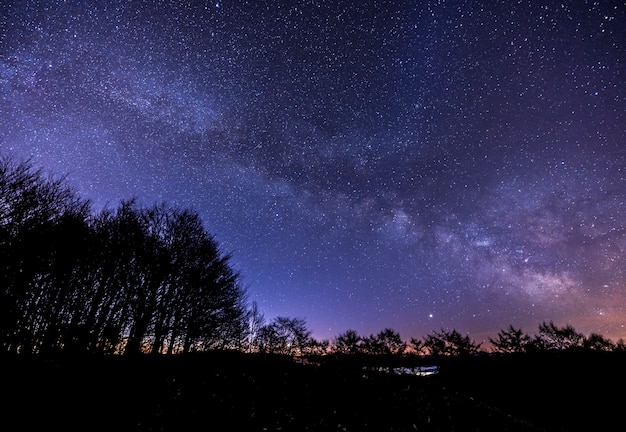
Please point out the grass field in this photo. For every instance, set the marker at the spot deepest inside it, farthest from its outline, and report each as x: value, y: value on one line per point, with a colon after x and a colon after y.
x: 239, y: 392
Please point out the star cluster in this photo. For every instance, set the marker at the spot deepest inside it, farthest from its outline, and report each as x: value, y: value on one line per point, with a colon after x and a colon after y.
x: 369, y: 165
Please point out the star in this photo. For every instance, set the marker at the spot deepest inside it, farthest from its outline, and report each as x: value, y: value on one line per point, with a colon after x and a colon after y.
x: 360, y: 162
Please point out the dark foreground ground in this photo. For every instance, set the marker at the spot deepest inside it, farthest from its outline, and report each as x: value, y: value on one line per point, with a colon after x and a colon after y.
x: 236, y: 392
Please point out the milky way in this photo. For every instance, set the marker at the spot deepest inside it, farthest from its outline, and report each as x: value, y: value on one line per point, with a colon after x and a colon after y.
x: 369, y: 165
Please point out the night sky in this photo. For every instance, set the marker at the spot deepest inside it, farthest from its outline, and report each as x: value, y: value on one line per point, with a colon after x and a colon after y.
x: 369, y: 165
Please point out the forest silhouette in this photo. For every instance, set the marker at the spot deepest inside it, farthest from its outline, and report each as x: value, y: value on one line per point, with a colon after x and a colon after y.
x: 134, y: 318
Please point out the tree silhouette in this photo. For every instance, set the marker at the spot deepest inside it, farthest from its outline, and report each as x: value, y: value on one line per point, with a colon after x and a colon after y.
x: 288, y: 336
x: 417, y: 346
x: 182, y: 293
x: 37, y: 216
x: 450, y: 343
x: 256, y: 321
x: 348, y: 342
x: 511, y: 340
x: 597, y: 342
x: 151, y: 279
x: 130, y: 280
x: 552, y: 337
x: 386, y: 342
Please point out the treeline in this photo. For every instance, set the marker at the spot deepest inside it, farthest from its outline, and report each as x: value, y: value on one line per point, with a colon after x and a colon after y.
x: 151, y: 279
x: 450, y: 343
x: 127, y: 280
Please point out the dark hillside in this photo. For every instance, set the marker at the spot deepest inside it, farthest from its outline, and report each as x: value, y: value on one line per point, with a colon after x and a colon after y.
x: 236, y: 392
x: 559, y: 391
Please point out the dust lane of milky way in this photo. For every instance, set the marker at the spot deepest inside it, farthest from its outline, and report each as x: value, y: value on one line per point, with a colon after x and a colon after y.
x: 369, y: 165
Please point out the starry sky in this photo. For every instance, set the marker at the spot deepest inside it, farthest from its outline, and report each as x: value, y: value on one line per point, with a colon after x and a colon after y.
x: 413, y: 165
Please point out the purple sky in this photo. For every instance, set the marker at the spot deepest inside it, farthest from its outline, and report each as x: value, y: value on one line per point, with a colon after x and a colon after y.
x: 369, y: 165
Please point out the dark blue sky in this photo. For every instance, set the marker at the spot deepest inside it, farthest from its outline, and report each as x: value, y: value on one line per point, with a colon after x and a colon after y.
x: 369, y: 165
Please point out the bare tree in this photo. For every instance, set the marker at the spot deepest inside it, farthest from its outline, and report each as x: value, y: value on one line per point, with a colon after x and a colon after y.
x: 256, y: 321
x: 511, y: 340
x: 553, y: 337
x: 129, y: 280
x: 284, y: 335
x: 386, y: 342
x: 417, y: 346
x: 37, y: 215
x: 597, y: 342
x: 348, y: 342
x: 450, y: 343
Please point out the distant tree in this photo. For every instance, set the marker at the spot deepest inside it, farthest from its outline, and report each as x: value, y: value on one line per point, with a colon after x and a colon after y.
x: 552, y: 337
x: 256, y: 321
x: 318, y: 347
x: 348, y: 342
x: 289, y: 336
x: 386, y: 342
x: 597, y: 342
x: 511, y: 340
x: 450, y: 343
x: 417, y: 346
